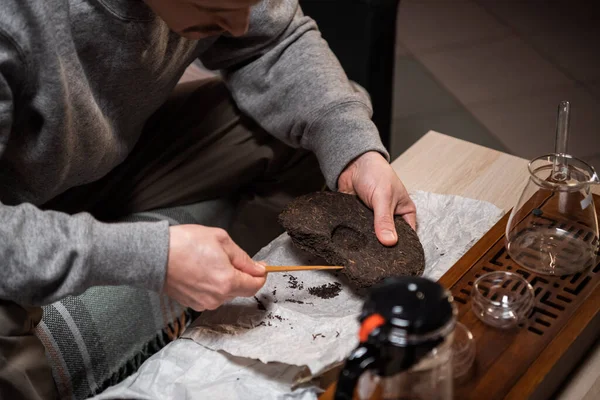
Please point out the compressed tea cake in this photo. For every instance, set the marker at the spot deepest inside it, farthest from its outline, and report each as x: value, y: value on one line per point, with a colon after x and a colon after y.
x: 340, y: 228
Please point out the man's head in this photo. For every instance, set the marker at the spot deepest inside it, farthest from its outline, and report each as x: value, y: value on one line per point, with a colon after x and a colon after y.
x: 197, y: 19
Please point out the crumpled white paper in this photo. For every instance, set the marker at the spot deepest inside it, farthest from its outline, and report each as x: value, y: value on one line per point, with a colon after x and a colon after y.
x: 301, y: 329
x: 186, y: 370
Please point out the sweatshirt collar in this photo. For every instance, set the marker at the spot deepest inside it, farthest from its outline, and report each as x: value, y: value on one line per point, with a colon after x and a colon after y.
x: 129, y: 10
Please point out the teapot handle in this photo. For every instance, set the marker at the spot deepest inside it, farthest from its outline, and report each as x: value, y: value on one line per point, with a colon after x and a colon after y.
x: 362, y: 359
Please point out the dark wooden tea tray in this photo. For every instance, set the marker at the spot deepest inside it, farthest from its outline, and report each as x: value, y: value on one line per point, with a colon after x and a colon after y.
x: 529, y: 362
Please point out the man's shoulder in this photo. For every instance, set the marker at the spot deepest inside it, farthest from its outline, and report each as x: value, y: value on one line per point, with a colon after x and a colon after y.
x: 27, y: 22
x: 27, y: 28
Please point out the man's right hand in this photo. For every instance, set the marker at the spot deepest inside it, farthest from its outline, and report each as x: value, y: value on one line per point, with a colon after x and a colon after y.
x: 206, y: 268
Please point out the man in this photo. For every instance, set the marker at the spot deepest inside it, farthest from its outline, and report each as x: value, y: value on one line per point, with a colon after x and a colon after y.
x: 91, y: 129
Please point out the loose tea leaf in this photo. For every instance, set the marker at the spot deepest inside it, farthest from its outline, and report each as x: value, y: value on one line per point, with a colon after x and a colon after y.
x: 326, y: 291
x: 293, y: 282
x: 260, y: 304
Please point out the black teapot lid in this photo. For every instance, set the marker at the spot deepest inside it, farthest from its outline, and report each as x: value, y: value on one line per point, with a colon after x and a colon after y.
x: 403, y: 310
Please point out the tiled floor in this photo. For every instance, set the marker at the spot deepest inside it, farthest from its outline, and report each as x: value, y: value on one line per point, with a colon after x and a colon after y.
x: 492, y: 72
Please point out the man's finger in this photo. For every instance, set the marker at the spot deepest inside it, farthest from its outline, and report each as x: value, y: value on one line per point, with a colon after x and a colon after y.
x: 412, y: 220
x: 408, y: 211
x: 242, y: 261
x: 245, y: 285
x: 385, y: 228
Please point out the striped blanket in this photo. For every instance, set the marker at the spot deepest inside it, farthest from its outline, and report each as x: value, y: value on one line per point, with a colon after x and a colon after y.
x: 96, y: 340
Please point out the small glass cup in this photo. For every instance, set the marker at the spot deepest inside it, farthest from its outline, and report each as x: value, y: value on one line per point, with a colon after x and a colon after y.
x: 502, y: 299
x: 463, y: 351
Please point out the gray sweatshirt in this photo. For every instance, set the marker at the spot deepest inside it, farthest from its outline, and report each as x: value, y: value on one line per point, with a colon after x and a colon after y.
x: 78, y: 80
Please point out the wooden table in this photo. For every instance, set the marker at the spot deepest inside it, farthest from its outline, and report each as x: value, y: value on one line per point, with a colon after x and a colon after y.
x: 442, y: 164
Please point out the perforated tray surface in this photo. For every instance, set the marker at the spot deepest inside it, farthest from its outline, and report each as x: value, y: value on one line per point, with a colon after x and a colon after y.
x: 532, y: 360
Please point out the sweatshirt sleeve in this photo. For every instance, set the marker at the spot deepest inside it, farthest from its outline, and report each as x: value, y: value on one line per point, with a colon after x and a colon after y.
x: 48, y: 255
x: 283, y: 75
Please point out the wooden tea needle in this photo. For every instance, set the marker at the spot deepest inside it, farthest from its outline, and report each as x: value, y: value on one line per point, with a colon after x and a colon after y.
x: 278, y: 268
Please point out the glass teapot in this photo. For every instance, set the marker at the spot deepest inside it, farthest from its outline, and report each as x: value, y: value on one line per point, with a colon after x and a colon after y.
x: 406, y: 335
x: 553, y: 230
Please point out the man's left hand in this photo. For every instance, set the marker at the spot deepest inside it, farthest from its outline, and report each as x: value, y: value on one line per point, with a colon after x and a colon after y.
x: 375, y: 182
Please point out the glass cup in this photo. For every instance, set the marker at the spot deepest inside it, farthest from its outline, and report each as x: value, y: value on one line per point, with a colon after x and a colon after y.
x: 502, y: 299
x: 463, y: 351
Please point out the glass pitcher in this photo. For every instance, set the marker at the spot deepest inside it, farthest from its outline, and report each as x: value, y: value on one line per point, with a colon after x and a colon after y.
x: 553, y: 229
x: 405, y: 345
